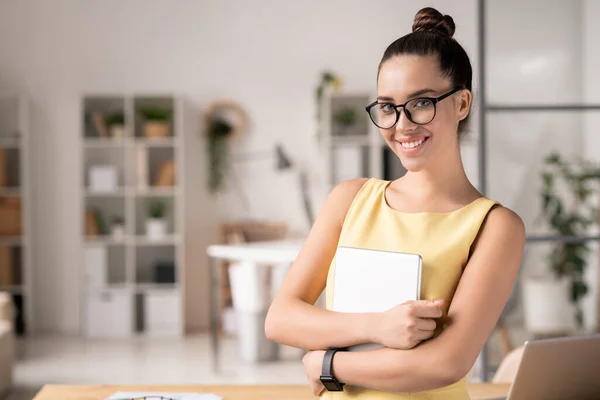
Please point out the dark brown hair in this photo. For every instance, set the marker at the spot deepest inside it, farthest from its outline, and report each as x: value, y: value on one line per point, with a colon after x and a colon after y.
x: 432, y: 35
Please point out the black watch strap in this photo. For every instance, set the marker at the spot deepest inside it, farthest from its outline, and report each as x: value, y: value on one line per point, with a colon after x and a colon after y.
x: 329, y: 380
x: 328, y: 361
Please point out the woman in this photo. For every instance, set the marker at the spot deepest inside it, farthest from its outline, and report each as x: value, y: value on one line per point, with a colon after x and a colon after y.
x: 471, y: 246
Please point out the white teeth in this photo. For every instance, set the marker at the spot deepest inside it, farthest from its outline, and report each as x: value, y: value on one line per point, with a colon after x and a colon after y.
x: 410, y: 145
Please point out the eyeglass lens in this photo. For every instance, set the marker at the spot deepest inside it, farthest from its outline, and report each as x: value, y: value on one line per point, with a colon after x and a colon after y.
x: 418, y: 111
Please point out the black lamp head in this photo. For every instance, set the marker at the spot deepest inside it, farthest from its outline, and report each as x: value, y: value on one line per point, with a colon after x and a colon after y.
x: 283, y: 161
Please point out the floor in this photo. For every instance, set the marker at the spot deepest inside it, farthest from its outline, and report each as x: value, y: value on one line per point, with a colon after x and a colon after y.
x: 146, y: 361
x: 141, y: 361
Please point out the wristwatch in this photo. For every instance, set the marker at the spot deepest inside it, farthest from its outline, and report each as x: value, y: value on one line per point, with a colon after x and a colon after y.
x: 327, y: 379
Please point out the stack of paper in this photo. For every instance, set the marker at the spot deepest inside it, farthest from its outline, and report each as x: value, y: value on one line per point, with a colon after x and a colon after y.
x: 162, y: 396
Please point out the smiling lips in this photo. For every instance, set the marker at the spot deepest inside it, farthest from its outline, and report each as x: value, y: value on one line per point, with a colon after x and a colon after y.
x: 410, y: 144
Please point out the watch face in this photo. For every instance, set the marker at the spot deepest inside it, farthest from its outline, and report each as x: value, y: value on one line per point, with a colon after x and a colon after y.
x: 331, y: 384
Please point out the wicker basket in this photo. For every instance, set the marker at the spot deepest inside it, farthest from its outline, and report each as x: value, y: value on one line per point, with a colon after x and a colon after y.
x: 157, y: 129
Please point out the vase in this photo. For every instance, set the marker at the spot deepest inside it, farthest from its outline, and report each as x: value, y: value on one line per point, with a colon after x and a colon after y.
x: 118, y: 231
x: 546, y: 306
x: 156, y: 228
x: 117, y: 131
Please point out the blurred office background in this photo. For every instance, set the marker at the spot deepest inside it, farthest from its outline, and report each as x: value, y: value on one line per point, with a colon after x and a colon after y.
x: 134, y: 134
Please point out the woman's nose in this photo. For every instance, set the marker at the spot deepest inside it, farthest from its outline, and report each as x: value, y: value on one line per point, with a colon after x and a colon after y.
x: 404, y: 124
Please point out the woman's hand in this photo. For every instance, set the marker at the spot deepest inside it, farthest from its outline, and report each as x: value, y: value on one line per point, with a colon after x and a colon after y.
x: 313, y: 365
x: 408, y: 324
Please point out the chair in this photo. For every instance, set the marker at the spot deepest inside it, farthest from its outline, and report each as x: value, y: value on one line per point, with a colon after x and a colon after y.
x: 509, y: 366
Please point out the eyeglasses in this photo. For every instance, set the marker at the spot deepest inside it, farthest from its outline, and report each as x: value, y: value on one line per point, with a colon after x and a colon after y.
x: 419, y: 111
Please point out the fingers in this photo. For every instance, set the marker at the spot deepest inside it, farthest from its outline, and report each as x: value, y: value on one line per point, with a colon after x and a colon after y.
x: 423, y: 335
x: 422, y: 324
x: 426, y: 308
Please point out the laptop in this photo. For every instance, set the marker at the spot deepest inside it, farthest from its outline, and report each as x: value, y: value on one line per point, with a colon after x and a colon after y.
x: 558, y: 369
x: 374, y: 281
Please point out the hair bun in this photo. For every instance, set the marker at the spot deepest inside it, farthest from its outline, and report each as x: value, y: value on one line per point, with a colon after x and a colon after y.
x: 430, y: 19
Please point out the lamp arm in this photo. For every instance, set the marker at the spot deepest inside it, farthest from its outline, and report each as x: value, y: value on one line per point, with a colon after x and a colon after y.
x: 308, y: 211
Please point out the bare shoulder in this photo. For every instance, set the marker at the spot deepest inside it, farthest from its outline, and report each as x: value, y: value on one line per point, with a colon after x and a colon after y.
x: 502, y: 227
x: 340, y: 198
x: 349, y: 188
x: 504, y: 219
x: 344, y: 192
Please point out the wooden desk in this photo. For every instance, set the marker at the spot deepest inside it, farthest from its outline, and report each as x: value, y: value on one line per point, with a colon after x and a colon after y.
x: 288, y: 392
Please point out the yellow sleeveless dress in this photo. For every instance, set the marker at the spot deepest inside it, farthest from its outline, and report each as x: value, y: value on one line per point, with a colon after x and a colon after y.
x: 442, y: 239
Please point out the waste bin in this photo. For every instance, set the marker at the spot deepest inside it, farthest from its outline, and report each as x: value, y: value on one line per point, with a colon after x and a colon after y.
x: 251, y: 299
x: 252, y: 344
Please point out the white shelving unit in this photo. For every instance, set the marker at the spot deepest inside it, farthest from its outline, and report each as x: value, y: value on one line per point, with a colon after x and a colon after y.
x: 131, y: 283
x: 356, y: 149
x: 15, y: 206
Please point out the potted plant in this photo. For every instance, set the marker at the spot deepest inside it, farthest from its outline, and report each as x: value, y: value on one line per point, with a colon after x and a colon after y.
x: 157, y: 121
x: 156, y: 224
x: 329, y: 81
x: 552, y: 304
x: 118, y: 227
x: 345, y: 120
x: 218, y: 132
x: 116, y: 125
x: 223, y: 121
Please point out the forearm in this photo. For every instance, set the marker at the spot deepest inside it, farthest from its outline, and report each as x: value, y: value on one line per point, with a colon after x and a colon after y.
x: 299, y: 324
x: 393, y: 370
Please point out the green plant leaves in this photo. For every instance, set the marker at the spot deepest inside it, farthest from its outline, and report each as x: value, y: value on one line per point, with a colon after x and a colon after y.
x: 157, y: 208
x: 569, y: 216
x: 155, y: 113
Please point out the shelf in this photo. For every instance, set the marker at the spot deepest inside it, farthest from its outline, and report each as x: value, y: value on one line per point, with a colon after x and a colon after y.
x: 156, y: 287
x: 166, y: 142
x: 142, y: 240
x: 14, y: 289
x: 108, y: 241
x: 11, y: 240
x: 541, y: 107
x: 116, y: 193
x: 10, y: 142
x: 156, y: 191
x: 130, y: 265
x: 9, y: 191
x: 111, y: 287
x: 104, y: 142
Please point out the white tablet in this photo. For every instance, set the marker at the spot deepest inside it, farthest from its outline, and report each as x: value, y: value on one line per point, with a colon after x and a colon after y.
x: 374, y: 281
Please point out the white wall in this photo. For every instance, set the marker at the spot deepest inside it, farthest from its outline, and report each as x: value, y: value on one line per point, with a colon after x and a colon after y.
x: 267, y: 55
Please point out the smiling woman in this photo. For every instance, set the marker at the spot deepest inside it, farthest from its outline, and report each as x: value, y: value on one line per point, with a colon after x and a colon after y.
x: 471, y: 246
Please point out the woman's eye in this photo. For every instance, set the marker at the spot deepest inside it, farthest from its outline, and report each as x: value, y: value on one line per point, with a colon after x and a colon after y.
x: 387, y: 108
x: 423, y: 103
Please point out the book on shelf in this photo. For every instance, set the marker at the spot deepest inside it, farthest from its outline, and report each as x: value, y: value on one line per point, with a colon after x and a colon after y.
x: 141, y: 167
x: 100, y: 124
x: 6, y: 266
x: 166, y: 175
x: 3, y: 168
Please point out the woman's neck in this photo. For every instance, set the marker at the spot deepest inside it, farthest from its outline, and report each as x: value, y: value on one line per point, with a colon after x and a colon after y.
x: 446, y: 179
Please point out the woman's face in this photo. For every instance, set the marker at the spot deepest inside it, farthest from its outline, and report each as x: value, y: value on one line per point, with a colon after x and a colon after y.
x: 406, y: 77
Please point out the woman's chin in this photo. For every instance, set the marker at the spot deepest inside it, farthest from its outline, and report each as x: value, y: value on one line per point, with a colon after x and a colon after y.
x: 413, y: 165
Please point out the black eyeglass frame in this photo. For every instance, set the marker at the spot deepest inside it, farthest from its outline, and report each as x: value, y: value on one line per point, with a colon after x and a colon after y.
x: 434, y: 101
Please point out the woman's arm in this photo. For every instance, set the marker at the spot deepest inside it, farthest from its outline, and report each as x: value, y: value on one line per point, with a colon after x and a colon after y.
x: 478, y: 302
x: 293, y: 319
